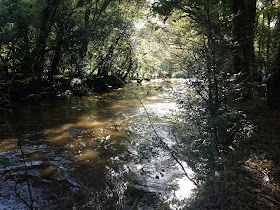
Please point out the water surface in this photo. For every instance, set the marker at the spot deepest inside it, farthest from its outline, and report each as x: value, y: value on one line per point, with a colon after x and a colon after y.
x: 96, y: 151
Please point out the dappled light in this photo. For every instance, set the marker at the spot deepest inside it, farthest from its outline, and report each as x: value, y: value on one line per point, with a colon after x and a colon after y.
x: 8, y: 144
x: 87, y: 154
x: 48, y: 172
x: 147, y: 104
x: 106, y: 139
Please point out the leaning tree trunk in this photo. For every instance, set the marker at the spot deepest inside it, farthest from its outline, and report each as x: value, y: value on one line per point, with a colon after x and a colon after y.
x: 44, y: 32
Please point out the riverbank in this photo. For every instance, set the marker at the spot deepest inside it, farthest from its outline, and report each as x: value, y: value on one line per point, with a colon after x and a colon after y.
x: 252, y: 177
x: 264, y: 163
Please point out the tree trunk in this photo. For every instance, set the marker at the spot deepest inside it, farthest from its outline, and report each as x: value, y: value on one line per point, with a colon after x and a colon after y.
x: 85, y: 38
x: 57, y: 54
x: 103, y: 63
x: 268, y: 43
x: 243, y: 33
x: 44, y: 31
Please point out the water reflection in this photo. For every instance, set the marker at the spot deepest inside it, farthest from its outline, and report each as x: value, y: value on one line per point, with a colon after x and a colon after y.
x: 86, y: 147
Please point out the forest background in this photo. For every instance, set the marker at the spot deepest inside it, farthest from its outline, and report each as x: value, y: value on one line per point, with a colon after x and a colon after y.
x: 229, y: 50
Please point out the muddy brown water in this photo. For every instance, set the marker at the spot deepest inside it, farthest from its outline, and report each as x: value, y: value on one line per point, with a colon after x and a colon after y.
x: 94, y: 152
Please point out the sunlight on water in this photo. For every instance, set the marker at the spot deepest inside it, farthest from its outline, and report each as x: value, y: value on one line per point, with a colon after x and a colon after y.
x: 97, y: 134
x: 88, y: 154
x: 8, y: 144
x: 162, y: 109
x: 185, y: 188
x: 48, y: 172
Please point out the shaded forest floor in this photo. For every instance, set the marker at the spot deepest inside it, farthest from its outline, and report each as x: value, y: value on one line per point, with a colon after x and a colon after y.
x: 263, y: 161
x: 252, y: 177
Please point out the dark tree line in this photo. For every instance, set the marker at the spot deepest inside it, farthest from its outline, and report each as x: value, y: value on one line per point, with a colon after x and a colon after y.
x: 45, y: 44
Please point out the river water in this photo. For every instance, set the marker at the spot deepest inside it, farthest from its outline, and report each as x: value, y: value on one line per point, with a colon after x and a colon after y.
x: 95, y: 152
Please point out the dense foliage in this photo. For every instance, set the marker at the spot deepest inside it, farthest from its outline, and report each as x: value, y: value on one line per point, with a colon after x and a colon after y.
x: 228, y: 51
x: 44, y: 44
x: 219, y: 46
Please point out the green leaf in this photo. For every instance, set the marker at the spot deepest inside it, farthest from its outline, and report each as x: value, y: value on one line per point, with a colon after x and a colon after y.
x: 5, y: 162
x: 74, y: 132
x: 5, y: 64
x: 66, y: 175
x: 8, y: 82
x: 102, y: 144
x: 19, y: 74
x: 116, y: 128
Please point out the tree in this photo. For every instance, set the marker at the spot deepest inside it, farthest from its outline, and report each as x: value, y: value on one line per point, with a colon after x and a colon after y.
x: 49, y: 40
x: 244, y: 12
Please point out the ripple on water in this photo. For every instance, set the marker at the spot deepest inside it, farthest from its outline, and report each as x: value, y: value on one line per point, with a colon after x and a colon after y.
x: 104, y: 175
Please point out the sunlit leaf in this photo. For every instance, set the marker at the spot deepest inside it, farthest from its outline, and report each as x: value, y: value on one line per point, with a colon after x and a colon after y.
x: 266, y: 178
x: 231, y: 147
x: 178, y: 66
x: 267, y: 166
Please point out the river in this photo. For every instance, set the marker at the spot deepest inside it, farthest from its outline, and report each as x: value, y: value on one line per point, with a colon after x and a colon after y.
x: 95, y: 152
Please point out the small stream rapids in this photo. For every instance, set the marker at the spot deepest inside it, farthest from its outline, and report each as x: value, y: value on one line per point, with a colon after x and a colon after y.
x: 94, y: 152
